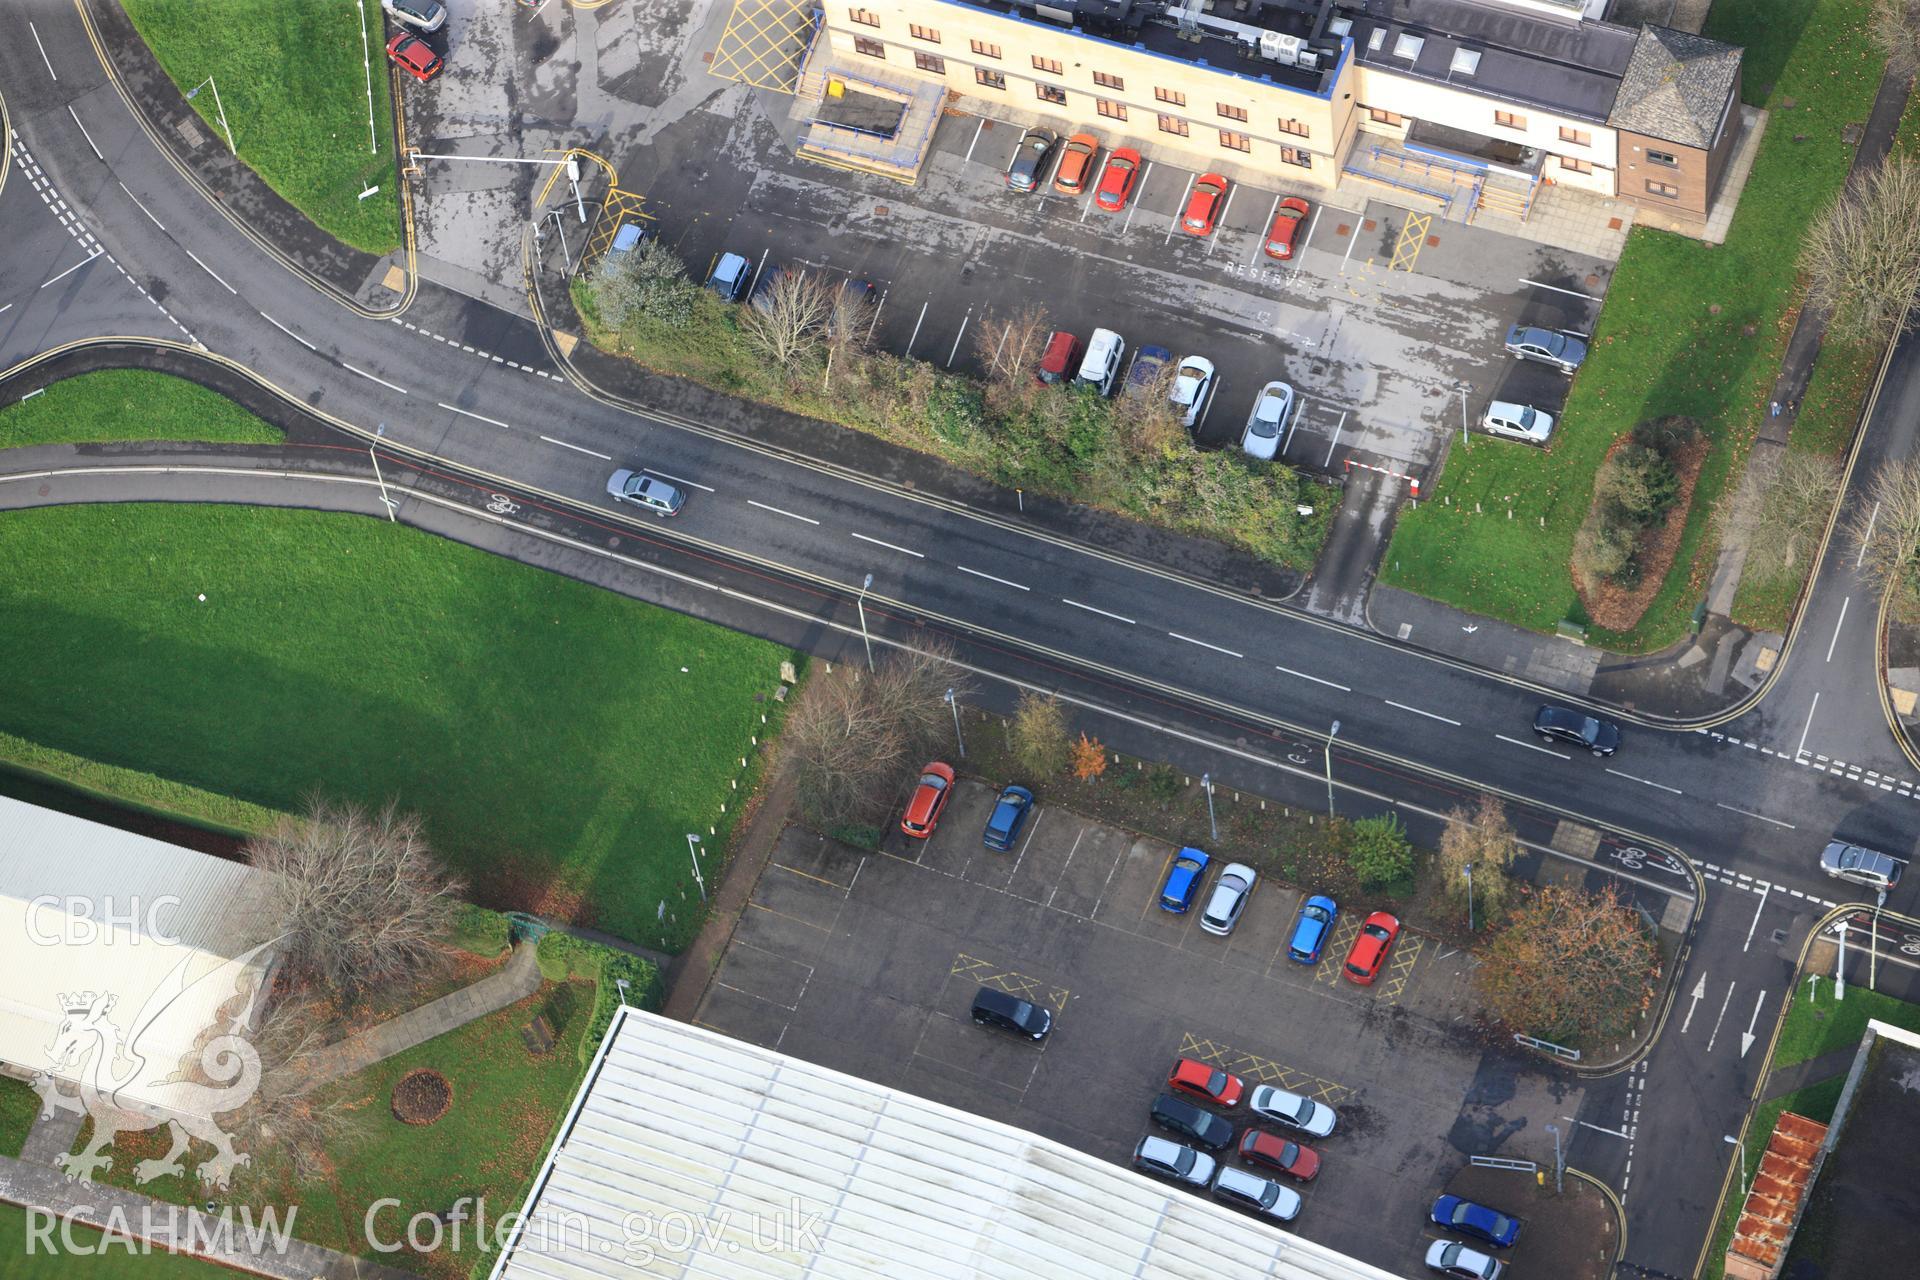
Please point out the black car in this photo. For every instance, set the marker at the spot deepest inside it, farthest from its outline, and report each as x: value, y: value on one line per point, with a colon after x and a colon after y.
x: 1176, y: 1115
x: 1564, y: 724
x: 1031, y: 161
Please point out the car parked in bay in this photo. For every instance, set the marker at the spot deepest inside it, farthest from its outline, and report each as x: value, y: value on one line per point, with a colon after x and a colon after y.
x: 1030, y: 161
x: 1311, y: 928
x: 1271, y: 409
x: 1589, y: 733
x: 1231, y: 892
x: 1204, y: 203
x: 1165, y: 1158
x: 1256, y: 1194
x: 1517, y: 422
x: 1008, y: 817
x: 1191, y: 383
x: 1075, y: 170
x: 1150, y: 364
x: 1293, y: 1111
x: 1208, y: 1083
x: 1451, y: 1213
x: 1283, y: 1155
x: 1101, y: 365
x: 1117, y: 178
x: 1564, y: 351
x: 414, y: 56
x: 1370, y: 947
x: 1195, y: 1124
x: 1060, y: 361
x: 1451, y: 1258
x: 1285, y: 231
x: 425, y: 16
x: 1185, y: 871
x: 929, y: 800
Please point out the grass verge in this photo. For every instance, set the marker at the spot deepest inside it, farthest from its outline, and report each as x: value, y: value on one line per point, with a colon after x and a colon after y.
x: 1688, y: 328
x: 19, y: 1105
x: 294, y: 84
x: 559, y: 740
x: 94, y: 1257
x: 130, y: 404
x: 1819, y: 1023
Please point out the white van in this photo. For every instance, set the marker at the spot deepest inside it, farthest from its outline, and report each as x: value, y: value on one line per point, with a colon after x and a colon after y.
x: 1101, y: 367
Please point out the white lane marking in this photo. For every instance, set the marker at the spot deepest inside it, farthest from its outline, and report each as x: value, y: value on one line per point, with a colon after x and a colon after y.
x: 43, y: 50
x: 383, y: 382
x: 1760, y: 816
x: 1758, y: 908
x: 290, y: 333
x: 1588, y: 1124
x: 777, y: 511
x: 83, y: 133
x: 1837, y: 624
x: 1868, y: 536
x: 891, y: 547
x: 1723, y: 1014
x: 1316, y: 679
x: 577, y: 449
x: 75, y: 267
x: 990, y: 578
x: 1533, y: 746
x: 1571, y: 293
x: 9, y: 307
x: 1802, y: 749
x: 143, y: 208
x: 468, y: 413
x: 677, y: 480
x: 1102, y: 612
x: 1645, y: 782
x: 1204, y: 645
x: 1417, y: 711
x: 210, y: 271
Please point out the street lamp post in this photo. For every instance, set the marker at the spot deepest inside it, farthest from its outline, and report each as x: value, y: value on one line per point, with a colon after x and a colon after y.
x: 1206, y: 781
x: 622, y: 984
x: 1331, y: 735
x: 861, y: 604
x: 958, y: 736
x: 1468, y: 869
x: 1559, y: 1165
x: 217, y: 104
x: 372, y: 452
x: 1840, y: 966
x: 1741, y: 1147
x: 1873, y: 943
x: 694, y: 856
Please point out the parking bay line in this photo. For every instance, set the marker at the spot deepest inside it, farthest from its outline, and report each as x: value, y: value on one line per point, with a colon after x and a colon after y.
x: 891, y: 547
x: 1417, y: 711
x: 1316, y: 679
x: 1134, y: 204
x: 1179, y: 210
x: 1533, y: 747
x: 1021, y: 856
x: 1102, y: 612
x: 1221, y: 225
x: 1260, y: 245
x: 990, y: 578
x: 777, y: 511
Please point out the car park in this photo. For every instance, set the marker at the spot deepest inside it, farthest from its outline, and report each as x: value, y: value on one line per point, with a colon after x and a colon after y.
x: 1451, y: 1213
x: 1195, y: 1124
x: 1197, y: 1079
x: 1149, y: 363
x: 929, y: 801
x: 1261, y: 439
x: 643, y: 490
x: 730, y: 276
x: 1451, y: 1258
x: 993, y: 1007
x: 414, y: 56
x: 627, y: 238
x: 1076, y: 164
x: 1517, y: 422
x: 1008, y: 816
x: 1036, y: 148
x: 1311, y: 928
x: 1191, y: 383
x: 1117, y: 178
x: 1564, y: 351
x: 1184, y: 874
x: 1370, y: 947
x: 1302, y: 1115
x: 1867, y: 867
x: 1256, y: 1194
x: 1061, y: 359
x: 1283, y: 1155
x: 1231, y: 892
x: 1564, y: 724
x: 422, y: 15
x: 1164, y: 1158
x: 1203, y: 204
x: 1287, y: 219
x: 1101, y: 364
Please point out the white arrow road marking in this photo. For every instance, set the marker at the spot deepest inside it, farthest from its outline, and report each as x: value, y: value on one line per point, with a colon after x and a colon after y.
x: 1747, y: 1037
x: 1723, y: 1013
x: 1698, y: 991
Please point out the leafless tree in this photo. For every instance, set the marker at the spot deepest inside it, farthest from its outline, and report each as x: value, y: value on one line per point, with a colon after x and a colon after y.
x: 1010, y: 346
x: 294, y: 1111
x: 1862, y: 253
x: 787, y: 319
x: 1883, y: 528
x: 1483, y: 839
x: 1894, y: 28
x: 851, y: 735
x: 1794, y: 507
x: 850, y: 318
x: 357, y: 898
x: 1147, y: 422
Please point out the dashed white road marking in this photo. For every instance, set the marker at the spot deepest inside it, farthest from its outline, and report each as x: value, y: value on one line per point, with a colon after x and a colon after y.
x: 1204, y: 645
x: 905, y: 551
x: 290, y: 333
x: 777, y: 511
x: 1102, y: 612
x: 990, y: 578
x: 1417, y: 711
x: 370, y: 378
x: 577, y: 448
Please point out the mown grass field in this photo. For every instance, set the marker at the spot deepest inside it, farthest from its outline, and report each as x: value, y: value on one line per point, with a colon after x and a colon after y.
x: 293, y: 80
x: 130, y: 404
x: 18, y: 1107
x: 1687, y: 328
x: 114, y: 1261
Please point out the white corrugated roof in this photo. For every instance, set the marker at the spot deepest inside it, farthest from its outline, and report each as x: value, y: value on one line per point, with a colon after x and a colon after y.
x: 716, y: 1158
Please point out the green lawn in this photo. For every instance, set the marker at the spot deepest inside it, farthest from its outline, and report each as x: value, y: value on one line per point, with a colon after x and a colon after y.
x: 293, y: 80
x: 558, y: 739
x: 116, y: 1261
x: 1820, y: 1024
x: 18, y: 1107
x: 1687, y: 328
x: 130, y: 404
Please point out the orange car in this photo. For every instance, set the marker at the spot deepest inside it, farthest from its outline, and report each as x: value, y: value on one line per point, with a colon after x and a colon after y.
x: 414, y: 56
x: 1370, y: 948
x: 929, y: 800
x: 1076, y: 164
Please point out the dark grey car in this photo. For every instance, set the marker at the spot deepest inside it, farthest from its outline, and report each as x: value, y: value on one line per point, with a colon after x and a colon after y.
x: 1564, y: 724
x: 1869, y: 867
x: 1548, y: 346
x: 1031, y: 161
x: 1177, y: 1115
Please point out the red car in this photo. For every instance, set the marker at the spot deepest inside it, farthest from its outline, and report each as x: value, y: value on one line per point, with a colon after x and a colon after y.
x: 929, y: 801
x: 1286, y: 225
x: 1117, y: 179
x: 1208, y: 1084
x: 1203, y: 205
x: 414, y: 56
x: 1277, y: 1153
x: 1369, y: 949
x: 1076, y: 164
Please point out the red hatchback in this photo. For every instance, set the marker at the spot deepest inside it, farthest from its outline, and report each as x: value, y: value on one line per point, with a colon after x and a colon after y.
x: 1203, y: 206
x: 929, y: 801
x: 414, y: 56
x: 1280, y: 1154
x: 1369, y: 949
x: 1208, y: 1084
x: 1286, y: 227
x: 1117, y: 179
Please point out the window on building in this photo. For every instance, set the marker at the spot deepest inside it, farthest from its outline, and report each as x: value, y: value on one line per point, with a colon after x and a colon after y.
x: 872, y: 48
x: 1662, y: 189
x: 1294, y: 155
x: 1172, y: 97
x: 1173, y: 125
x: 1048, y: 65
x: 1106, y: 81
x: 1578, y: 137
x: 930, y: 62
x: 1051, y: 93
x: 1576, y: 166
x: 1666, y: 158
x: 984, y: 49
x: 991, y: 79
x: 1408, y: 46
x: 865, y: 17
x: 1508, y: 120
x: 1294, y: 127
x: 930, y: 34
x: 1235, y: 141
x: 1231, y: 112
x: 1378, y: 116
x: 1465, y: 62
x: 1111, y: 110
x: 1376, y: 38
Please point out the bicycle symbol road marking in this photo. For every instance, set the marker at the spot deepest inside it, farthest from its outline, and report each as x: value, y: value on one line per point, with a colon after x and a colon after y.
x: 502, y: 505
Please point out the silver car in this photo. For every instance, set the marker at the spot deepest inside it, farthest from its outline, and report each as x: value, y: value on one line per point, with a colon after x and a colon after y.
x: 1167, y: 1159
x: 647, y: 491
x: 1261, y: 439
x: 1259, y: 1195
x: 1845, y: 861
x: 1451, y: 1258
x: 1517, y: 422
x: 1563, y: 351
x: 1291, y: 1111
x: 1191, y: 382
x: 421, y: 15
x: 1230, y: 894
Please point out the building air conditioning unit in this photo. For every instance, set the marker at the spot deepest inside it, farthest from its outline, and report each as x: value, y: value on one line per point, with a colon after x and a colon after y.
x: 1309, y: 60
x: 1277, y: 46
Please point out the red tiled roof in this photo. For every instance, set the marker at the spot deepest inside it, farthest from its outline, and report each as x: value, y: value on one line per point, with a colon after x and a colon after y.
x: 1780, y: 1184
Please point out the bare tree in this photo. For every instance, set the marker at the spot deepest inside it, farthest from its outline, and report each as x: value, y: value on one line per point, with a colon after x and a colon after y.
x: 1010, y: 346
x: 850, y: 318
x: 1482, y: 839
x: 852, y: 734
x: 1040, y: 739
x: 1884, y: 530
x: 1146, y: 420
x: 293, y: 1110
x: 357, y: 898
x: 786, y: 319
x: 1794, y: 506
x: 1862, y: 253
x: 1894, y: 28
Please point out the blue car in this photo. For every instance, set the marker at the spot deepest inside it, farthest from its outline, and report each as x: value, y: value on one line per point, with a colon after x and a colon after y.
x: 1188, y: 869
x: 1310, y: 931
x: 1009, y: 815
x: 1149, y: 362
x: 1476, y: 1220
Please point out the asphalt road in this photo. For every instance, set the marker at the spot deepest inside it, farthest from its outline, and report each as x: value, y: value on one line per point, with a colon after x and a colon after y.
x: 1140, y: 640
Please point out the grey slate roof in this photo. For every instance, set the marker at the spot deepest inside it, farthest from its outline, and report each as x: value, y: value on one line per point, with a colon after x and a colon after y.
x: 1676, y: 86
